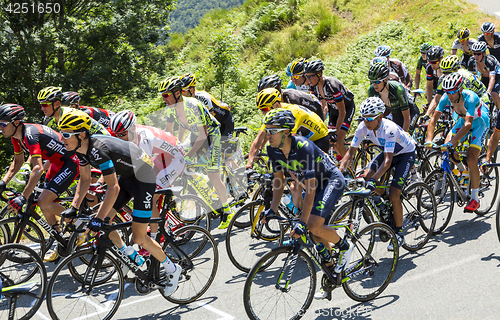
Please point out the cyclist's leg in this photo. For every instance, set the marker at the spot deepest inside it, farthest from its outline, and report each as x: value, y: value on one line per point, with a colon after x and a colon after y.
x: 372, y: 168
x: 402, y: 165
x: 346, y: 124
x: 479, y: 130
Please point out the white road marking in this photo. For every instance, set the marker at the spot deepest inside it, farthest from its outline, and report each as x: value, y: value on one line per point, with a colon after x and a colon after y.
x: 224, y: 315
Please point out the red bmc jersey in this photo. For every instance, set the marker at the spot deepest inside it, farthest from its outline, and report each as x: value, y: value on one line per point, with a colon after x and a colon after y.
x: 102, y: 116
x: 160, y: 145
x: 42, y: 141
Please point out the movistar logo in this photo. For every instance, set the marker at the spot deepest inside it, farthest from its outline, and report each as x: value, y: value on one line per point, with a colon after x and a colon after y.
x: 319, y: 159
x: 401, y: 181
x: 294, y: 165
x: 300, y: 144
x: 321, y: 205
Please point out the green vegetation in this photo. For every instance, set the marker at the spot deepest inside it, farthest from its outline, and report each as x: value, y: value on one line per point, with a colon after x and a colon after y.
x: 111, y: 54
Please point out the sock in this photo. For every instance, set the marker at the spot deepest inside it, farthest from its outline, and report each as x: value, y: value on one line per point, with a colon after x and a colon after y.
x: 225, y: 206
x: 122, y: 248
x: 168, y: 265
x: 342, y: 245
x: 153, y: 235
x: 474, y: 194
x: 399, y: 230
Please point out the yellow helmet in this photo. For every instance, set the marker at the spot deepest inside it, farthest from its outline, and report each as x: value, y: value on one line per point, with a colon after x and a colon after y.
x: 75, y: 120
x: 463, y: 33
x: 449, y: 64
x: 267, y: 97
x: 50, y: 94
x: 188, y: 80
x: 170, y: 84
x: 297, y: 66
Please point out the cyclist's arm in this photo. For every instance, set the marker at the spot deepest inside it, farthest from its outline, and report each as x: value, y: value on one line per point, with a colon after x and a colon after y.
x: 257, y: 145
x: 463, y: 131
x: 324, y: 106
x: 407, y: 119
x: 453, y: 52
x: 14, y: 167
x: 169, y: 127
x: 348, y: 157
x: 46, y: 166
x: 310, y: 189
x: 112, y: 191
x: 433, y: 105
x: 36, y: 173
x: 491, y: 84
x: 417, y: 78
x: 432, y: 125
x: 384, y: 167
x: 83, y: 186
x: 429, y: 90
x: 202, y: 137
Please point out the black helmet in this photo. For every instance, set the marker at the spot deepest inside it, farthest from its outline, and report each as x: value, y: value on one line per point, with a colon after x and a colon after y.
x: 435, y: 53
x: 315, y: 66
x: 272, y: 81
x: 281, y: 118
x: 488, y: 27
x: 297, y: 66
x: 11, y: 112
x: 378, y: 71
x: 69, y: 98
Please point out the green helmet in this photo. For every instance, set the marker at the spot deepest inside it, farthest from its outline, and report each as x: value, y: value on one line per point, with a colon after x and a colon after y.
x: 425, y: 46
x: 280, y: 117
x: 378, y: 71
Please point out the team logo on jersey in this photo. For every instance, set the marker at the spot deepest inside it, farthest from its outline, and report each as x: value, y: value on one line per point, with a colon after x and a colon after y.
x: 144, y: 157
x: 57, y: 147
x: 294, y: 165
x: 147, y: 201
x: 301, y: 144
x: 95, y: 154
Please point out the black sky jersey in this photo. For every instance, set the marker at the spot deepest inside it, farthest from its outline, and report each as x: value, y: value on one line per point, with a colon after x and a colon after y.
x: 495, y: 50
x: 301, y: 98
x: 111, y: 154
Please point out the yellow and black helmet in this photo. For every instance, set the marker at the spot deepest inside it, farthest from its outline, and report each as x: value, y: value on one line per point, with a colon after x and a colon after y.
x: 449, y: 64
x: 297, y: 66
x: 75, y: 120
x: 170, y: 84
x: 267, y: 97
x: 463, y: 33
x: 188, y: 80
x: 50, y: 94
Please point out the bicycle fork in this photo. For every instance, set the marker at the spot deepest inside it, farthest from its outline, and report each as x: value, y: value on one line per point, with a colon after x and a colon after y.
x: 293, y: 261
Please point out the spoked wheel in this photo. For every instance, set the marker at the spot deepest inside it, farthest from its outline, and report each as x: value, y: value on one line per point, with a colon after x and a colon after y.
x: 24, y: 283
x: 442, y: 189
x: 488, y: 188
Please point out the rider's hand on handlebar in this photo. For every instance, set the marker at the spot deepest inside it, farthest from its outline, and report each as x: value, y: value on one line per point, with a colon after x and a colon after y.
x: 267, y: 214
x: 17, y: 203
x: 69, y: 213
x: 371, y: 184
x: 95, y: 225
x: 298, y: 230
x: 446, y: 146
x: 428, y: 145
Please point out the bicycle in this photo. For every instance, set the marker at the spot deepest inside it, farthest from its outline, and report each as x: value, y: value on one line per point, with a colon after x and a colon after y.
x: 419, y: 212
x: 449, y: 190
x: 290, y: 271
x: 23, y: 282
x: 80, y: 289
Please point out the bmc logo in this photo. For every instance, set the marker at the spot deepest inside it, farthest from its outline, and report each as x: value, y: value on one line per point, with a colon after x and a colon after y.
x: 62, y: 176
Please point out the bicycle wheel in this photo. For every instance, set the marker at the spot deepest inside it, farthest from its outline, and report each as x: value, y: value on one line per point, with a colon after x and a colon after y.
x: 488, y: 187
x: 372, y: 266
x: 199, y: 259
x: 430, y: 162
x: 419, y: 215
x: 242, y: 245
x: 442, y: 189
x: 269, y: 295
x: 364, y: 157
x: 345, y: 210
x: 498, y: 220
x: 259, y: 164
x: 24, y: 284
x: 32, y: 235
x: 190, y: 210
x: 69, y: 296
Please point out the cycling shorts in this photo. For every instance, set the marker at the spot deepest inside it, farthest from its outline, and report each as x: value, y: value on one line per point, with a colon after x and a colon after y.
x: 399, y: 119
x: 213, y: 152
x: 141, y: 191
x: 478, y: 130
x: 496, y: 86
x: 402, y: 164
x: 60, y: 177
x: 328, y: 193
x: 323, y: 143
x: 350, y: 108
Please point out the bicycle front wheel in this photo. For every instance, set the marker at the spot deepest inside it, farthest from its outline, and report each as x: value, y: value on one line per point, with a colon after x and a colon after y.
x: 488, y: 188
x: 32, y: 236
x: 372, y: 266
x: 442, y: 189
x: 188, y: 210
x: 24, y: 283
x: 419, y: 215
x: 269, y: 295
x: 73, y: 296
x: 199, y: 259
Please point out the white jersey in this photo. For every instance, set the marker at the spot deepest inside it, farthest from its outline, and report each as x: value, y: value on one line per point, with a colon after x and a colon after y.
x: 457, y: 46
x: 389, y: 136
x: 165, y: 151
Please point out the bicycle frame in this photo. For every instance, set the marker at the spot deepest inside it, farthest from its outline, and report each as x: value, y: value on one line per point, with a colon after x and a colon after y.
x: 446, y: 166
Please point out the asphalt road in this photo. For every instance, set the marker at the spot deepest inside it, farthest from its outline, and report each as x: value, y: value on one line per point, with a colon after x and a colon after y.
x: 455, y: 276
x: 491, y: 7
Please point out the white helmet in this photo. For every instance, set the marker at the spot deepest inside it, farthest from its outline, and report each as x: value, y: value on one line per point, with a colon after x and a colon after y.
x: 122, y: 122
x: 372, y: 106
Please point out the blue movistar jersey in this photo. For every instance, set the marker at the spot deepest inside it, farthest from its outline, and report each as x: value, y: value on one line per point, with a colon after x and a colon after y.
x: 305, y: 160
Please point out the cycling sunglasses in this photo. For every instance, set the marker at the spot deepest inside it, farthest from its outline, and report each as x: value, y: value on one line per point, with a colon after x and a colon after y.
x: 274, y: 131
x: 4, y: 124
x: 166, y: 95
x: 67, y: 135
x: 121, y: 135
x: 452, y: 92
x: 309, y: 76
x: 376, y: 81
x: 45, y: 104
x: 434, y: 62
x: 265, y: 110
x: 297, y: 76
x: 369, y: 119
x: 488, y: 33
x: 478, y: 53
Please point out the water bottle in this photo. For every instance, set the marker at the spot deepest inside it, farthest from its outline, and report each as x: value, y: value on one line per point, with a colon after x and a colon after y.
x: 323, y: 252
x: 465, y: 181
x: 287, y: 200
x: 137, y: 258
x: 456, y: 172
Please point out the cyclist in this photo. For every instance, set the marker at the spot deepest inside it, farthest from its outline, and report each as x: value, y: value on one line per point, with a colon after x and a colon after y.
x: 449, y: 65
x: 191, y: 115
x: 464, y: 43
x: 161, y: 146
x: 399, y: 152
x: 491, y: 38
x: 322, y: 181
x: 489, y: 67
x: 220, y: 110
x: 393, y: 94
x: 292, y: 96
x: 296, y: 74
x: 72, y: 99
x: 422, y: 62
x: 433, y: 71
x: 474, y: 117
x: 338, y: 100
x: 136, y: 180
x: 42, y: 143
x: 50, y: 101
x: 395, y: 66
